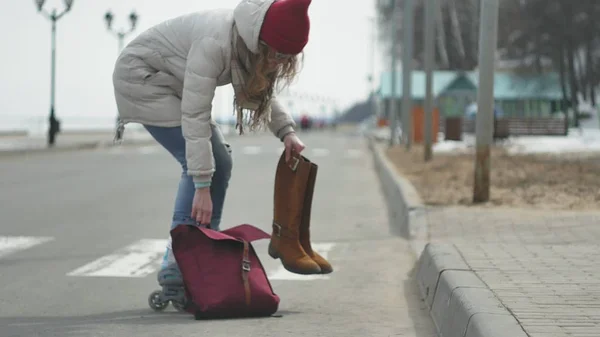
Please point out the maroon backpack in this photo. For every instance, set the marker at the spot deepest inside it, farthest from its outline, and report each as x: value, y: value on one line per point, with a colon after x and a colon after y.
x: 223, y: 276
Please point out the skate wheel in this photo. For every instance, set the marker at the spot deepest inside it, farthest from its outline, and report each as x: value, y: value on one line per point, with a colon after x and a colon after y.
x: 155, y: 303
x: 179, y: 306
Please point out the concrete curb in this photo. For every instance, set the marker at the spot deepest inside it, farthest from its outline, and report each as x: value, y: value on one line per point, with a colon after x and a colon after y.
x: 406, y: 209
x: 459, y: 303
x: 84, y: 145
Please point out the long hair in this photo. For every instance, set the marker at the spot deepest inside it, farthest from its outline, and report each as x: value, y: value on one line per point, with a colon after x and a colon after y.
x: 267, y: 79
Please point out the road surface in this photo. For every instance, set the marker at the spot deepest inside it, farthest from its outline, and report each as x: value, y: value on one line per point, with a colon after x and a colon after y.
x: 69, y: 223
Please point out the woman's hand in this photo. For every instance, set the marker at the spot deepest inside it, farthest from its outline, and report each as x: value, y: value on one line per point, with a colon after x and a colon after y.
x: 202, y: 206
x: 292, y: 143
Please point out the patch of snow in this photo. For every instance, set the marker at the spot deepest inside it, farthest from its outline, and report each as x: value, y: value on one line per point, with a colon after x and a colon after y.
x: 578, y: 140
x: 450, y: 146
x: 454, y: 146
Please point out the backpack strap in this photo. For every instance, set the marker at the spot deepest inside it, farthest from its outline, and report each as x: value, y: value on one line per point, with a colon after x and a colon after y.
x: 246, y: 271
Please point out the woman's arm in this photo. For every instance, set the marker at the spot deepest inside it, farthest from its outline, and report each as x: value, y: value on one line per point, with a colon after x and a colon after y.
x: 281, y: 122
x: 204, y: 64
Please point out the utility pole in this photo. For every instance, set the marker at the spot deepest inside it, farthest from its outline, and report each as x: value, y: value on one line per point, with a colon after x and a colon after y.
x: 372, y: 52
x: 393, y: 114
x: 371, y: 76
x: 429, y: 54
x: 408, y: 12
x: 53, y: 123
x: 484, y: 128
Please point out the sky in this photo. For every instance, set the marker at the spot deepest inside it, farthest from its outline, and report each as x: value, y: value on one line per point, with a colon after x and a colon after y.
x: 337, y: 58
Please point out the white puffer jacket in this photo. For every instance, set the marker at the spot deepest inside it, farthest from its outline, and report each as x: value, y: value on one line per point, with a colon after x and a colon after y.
x: 167, y: 76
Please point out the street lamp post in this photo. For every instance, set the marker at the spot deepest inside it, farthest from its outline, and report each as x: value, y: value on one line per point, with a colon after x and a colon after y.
x: 121, y: 34
x: 53, y: 125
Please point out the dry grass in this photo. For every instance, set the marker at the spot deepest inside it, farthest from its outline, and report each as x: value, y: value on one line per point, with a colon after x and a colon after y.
x: 516, y: 181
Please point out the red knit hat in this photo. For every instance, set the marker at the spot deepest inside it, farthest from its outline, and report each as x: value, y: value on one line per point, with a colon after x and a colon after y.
x: 286, y: 26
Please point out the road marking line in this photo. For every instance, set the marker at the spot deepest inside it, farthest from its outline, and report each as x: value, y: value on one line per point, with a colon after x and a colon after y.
x: 139, y: 259
x: 148, y: 149
x: 115, y: 150
x: 12, y: 244
x: 251, y: 150
x: 354, y: 153
x: 283, y: 275
x: 320, y: 152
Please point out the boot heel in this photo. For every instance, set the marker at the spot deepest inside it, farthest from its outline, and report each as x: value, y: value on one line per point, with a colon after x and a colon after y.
x: 273, y: 253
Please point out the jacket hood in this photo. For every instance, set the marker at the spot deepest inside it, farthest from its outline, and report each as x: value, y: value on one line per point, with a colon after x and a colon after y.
x: 248, y: 16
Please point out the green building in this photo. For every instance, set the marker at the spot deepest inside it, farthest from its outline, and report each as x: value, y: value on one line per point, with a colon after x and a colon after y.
x: 516, y: 95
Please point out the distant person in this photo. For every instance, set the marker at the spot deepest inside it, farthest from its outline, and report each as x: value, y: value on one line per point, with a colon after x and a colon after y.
x: 471, y: 110
x: 53, y: 129
x: 165, y: 79
x: 305, y: 122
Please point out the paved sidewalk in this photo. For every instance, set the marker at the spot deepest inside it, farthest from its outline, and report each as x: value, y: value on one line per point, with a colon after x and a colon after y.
x: 501, y: 272
x: 542, y: 266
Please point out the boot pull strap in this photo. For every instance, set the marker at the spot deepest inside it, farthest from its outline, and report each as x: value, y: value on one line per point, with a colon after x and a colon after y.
x: 294, y: 163
x: 280, y: 231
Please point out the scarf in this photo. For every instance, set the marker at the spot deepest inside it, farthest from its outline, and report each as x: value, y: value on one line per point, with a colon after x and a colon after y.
x: 240, y: 72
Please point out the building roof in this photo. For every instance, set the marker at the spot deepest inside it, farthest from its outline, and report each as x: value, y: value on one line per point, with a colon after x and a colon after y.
x: 441, y: 80
x: 507, y: 86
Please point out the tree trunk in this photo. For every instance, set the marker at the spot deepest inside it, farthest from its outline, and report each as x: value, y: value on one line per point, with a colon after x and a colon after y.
x: 441, y: 36
x: 563, y: 77
x: 590, y: 62
x: 581, y: 76
x: 474, y: 4
x: 573, y: 82
x: 456, y: 31
x: 589, y: 66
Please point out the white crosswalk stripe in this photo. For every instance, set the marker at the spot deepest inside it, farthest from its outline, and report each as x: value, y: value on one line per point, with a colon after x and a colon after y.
x: 139, y: 259
x: 143, y: 257
x: 116, y: 150
x: 13, y: 244
x: 353, y: 153
x: 248, y: 150
x: 320, y: 152
x: 149, y: 149
x: 281, y: 274
x: 251, y: 150
x: 313, y: 152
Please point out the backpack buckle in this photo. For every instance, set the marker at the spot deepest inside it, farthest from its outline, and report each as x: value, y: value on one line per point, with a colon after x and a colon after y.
x: 246, y: 265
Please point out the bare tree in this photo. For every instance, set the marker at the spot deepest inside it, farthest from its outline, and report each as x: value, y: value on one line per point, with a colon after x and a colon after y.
x: 457, y: 27
x: 559, y: 35
x: 535, y: 36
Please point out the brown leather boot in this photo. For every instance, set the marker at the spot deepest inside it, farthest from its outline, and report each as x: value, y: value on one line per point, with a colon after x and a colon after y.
x: 290, y: 187
x: 325, y: 266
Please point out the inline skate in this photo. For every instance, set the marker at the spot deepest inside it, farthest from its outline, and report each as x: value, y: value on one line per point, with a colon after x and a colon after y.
x: 172, y: 291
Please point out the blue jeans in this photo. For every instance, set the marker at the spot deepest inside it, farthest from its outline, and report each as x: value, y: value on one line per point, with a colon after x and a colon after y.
x: 171, y: 138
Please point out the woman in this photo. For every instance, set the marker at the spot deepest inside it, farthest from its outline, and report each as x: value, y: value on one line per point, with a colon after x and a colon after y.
x: 165, y: 79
